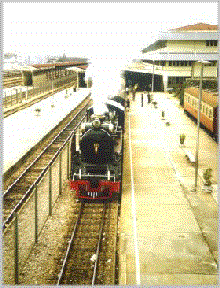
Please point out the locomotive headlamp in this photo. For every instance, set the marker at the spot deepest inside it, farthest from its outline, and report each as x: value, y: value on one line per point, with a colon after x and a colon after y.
x: 96, y: 123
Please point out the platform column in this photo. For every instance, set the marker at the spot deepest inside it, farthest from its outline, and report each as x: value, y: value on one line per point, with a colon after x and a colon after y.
x: 142, y: 100
x: 77, y: 81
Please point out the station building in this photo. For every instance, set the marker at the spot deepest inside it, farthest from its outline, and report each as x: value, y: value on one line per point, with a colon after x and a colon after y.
x: 44, y: 74
x: 175, y: 55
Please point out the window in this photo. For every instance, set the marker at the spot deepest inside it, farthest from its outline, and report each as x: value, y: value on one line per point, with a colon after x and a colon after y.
x: 197, y: 103
x: 176, y: 63
x: 210, y: 113
x: 212, y: 43
x: 206, y: 111
x: 212, y: 63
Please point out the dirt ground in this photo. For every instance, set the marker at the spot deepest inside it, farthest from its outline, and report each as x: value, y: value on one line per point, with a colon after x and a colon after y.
x: 43, y: 265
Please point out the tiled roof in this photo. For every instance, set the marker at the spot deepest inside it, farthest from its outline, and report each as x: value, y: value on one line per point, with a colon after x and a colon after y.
x: 57, y: 64
x: 197, y: 27
x: 83, y: 66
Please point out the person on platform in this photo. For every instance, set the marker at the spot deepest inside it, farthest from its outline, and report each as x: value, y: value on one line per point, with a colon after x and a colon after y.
x: 128, y: 103
x: 148, y: 97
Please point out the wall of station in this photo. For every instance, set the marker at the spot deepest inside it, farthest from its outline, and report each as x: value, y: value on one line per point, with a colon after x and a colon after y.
x: 189, y: 46
x: 45, y: 77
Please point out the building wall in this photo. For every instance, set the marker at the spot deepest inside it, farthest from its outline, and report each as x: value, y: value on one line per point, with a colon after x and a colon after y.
x: 189, y: 46
x: 177, y: 70
x: 39, y: 79
x: 208, y: 71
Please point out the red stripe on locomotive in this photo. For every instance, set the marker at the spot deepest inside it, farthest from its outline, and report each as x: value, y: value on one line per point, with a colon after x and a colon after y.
x: 83, y: 186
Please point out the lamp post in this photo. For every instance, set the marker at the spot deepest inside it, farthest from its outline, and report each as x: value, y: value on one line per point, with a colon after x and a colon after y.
x: 198, y: 122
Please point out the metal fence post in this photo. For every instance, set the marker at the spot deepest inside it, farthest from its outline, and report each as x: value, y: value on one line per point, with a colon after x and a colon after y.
x: 36, y: 215
x: 60, y: 174
x: 16, y: 250
x: 68, y: 160
x: 50, y: 191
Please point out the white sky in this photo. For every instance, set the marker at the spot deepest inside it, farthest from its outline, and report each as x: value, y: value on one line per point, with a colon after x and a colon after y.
x: 110, y: 34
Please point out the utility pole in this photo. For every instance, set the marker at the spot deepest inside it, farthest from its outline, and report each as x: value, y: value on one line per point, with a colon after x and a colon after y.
x: 198, y: 124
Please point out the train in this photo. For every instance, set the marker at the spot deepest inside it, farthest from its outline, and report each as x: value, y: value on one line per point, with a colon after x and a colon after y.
x: 96, y: 154
x: 208, y: 108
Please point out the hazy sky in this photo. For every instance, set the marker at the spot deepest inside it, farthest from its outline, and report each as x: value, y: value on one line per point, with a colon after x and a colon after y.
x: 96, y: 29
x: 109, y: 34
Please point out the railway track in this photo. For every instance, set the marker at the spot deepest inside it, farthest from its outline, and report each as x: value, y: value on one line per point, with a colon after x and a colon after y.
x: 20, y: 189
x: 91, y: 252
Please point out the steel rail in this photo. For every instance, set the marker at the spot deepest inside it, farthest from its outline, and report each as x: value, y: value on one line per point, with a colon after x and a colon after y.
x: 99, y: 244
x: 60, y: 276
x: 28, y: 192
x: 73, y: 237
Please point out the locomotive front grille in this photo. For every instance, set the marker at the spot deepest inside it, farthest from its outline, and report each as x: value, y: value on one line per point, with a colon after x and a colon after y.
x: 95, y: 194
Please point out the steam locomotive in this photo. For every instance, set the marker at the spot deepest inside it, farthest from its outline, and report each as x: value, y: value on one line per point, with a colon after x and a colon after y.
x: 96, y: 154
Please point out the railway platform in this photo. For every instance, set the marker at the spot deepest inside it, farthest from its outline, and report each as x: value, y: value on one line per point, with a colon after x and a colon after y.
x: 168, y: 234
x: 26, y: 128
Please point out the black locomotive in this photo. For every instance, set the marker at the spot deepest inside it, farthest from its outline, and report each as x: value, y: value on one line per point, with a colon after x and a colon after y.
x: 96, y: 156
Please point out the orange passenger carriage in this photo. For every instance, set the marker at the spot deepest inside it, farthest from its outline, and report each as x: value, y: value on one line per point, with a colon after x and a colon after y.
x: 208, y: 108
